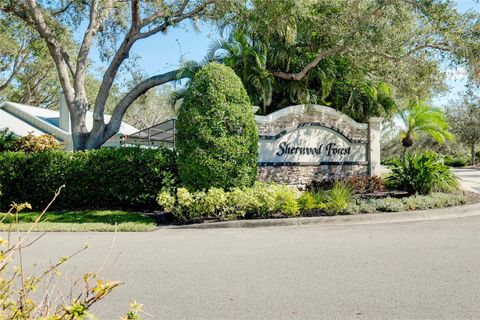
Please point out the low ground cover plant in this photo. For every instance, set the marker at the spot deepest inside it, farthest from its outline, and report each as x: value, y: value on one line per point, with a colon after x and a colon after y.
x: 415, y: 202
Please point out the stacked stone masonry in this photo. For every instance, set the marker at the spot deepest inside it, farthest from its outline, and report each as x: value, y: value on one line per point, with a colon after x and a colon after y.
x: 302, y: 175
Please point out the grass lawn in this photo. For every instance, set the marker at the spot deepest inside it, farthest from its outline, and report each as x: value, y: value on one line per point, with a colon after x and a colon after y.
x: 89, y: 220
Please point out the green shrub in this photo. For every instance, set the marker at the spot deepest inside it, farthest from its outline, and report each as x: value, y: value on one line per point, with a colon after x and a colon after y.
x: 8, y: 140
x: 455, y: 160
x: 366, y: 207
x: 217, y: 136
x: 41, y: 143
x: 265, y: 194
x: 108, y: 177
x: 242, y: 202
x: 307, y: 201
x: 260, y: 201
x: 286, y: 200
x: 421, y: 174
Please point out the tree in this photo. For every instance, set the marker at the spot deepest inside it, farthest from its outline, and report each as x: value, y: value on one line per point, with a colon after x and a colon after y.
x: 217, y: 137
x: 152, y: 108
x: 348, y: 53
x: 421, y: 118
x: 106, y: 22
x: 14, y: 51
x: 27, y: 71
x: 464, y: 118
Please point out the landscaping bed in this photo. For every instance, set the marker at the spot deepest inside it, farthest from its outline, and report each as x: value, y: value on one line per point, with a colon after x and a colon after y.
x: 361, y: 206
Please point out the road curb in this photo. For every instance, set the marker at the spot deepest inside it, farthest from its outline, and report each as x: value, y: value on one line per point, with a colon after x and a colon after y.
x: 369, y: 218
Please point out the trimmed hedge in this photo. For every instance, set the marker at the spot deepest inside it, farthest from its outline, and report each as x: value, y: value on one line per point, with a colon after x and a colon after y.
x: 104, y: 178
x: 455, y: 160
x: 217, y: 137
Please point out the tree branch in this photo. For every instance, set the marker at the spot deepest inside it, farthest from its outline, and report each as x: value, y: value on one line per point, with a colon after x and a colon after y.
x: 299, y: 75
x: 178, y: 17
x: 136, y: 20
x: 439, y: 46
x: 53, y: 46
x: 119, y: 111
x: 96, y: 17
x: 18, y: 63
x: 131, y: 37
x: 342, y: 48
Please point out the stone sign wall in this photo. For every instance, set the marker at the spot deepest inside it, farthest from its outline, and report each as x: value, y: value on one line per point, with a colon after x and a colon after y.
x: 303, y: 143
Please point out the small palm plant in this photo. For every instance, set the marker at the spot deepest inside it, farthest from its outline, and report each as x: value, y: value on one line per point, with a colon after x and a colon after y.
x: 422, y: 118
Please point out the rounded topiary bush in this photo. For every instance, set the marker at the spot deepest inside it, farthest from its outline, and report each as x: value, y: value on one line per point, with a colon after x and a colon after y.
x: 217, y: 136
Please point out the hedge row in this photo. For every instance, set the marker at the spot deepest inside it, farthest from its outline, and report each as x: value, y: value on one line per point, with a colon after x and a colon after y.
x: 108, y: 177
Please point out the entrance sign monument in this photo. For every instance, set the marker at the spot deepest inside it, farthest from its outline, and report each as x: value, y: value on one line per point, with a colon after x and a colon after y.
x: 304, y: 143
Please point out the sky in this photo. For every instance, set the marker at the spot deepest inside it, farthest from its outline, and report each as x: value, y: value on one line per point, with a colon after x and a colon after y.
x: 163, y: 52
x: 457, y: 78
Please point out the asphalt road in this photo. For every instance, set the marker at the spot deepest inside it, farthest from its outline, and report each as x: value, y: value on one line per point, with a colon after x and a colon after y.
x: 415, y: 270
x: 469, y: 178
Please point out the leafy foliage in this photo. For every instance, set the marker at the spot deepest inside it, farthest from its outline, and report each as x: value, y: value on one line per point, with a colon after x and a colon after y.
x: 421, y: 174
x: 415, y: 202
x: 8, y: 140
x: 356, y: 56
x: 332, y: 202
x: 259, y: 201
x: 421, y: 118
x: 216, y: 132
x: 41, y: 143
x: 455, y: 161
x: 108, y: 178
x: 464, y: 118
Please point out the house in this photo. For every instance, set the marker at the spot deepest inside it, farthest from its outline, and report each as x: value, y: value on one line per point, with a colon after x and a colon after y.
x: 22, y: 119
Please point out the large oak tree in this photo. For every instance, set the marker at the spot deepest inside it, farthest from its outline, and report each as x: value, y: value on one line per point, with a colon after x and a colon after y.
x: 345, y: 53
x: 114, y: 24
x: 380, y: 35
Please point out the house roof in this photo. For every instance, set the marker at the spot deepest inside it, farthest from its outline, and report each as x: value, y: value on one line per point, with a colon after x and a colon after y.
x: 22, y: 119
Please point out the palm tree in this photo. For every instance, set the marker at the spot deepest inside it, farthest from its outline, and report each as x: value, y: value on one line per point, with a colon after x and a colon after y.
x: 422, y: 118
x: 249, y: 61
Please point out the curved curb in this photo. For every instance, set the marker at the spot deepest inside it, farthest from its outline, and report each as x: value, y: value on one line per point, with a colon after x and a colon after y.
x: 367, y: 218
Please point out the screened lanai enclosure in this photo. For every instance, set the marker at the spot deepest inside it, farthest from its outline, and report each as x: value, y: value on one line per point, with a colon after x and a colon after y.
x: 159, y: 135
